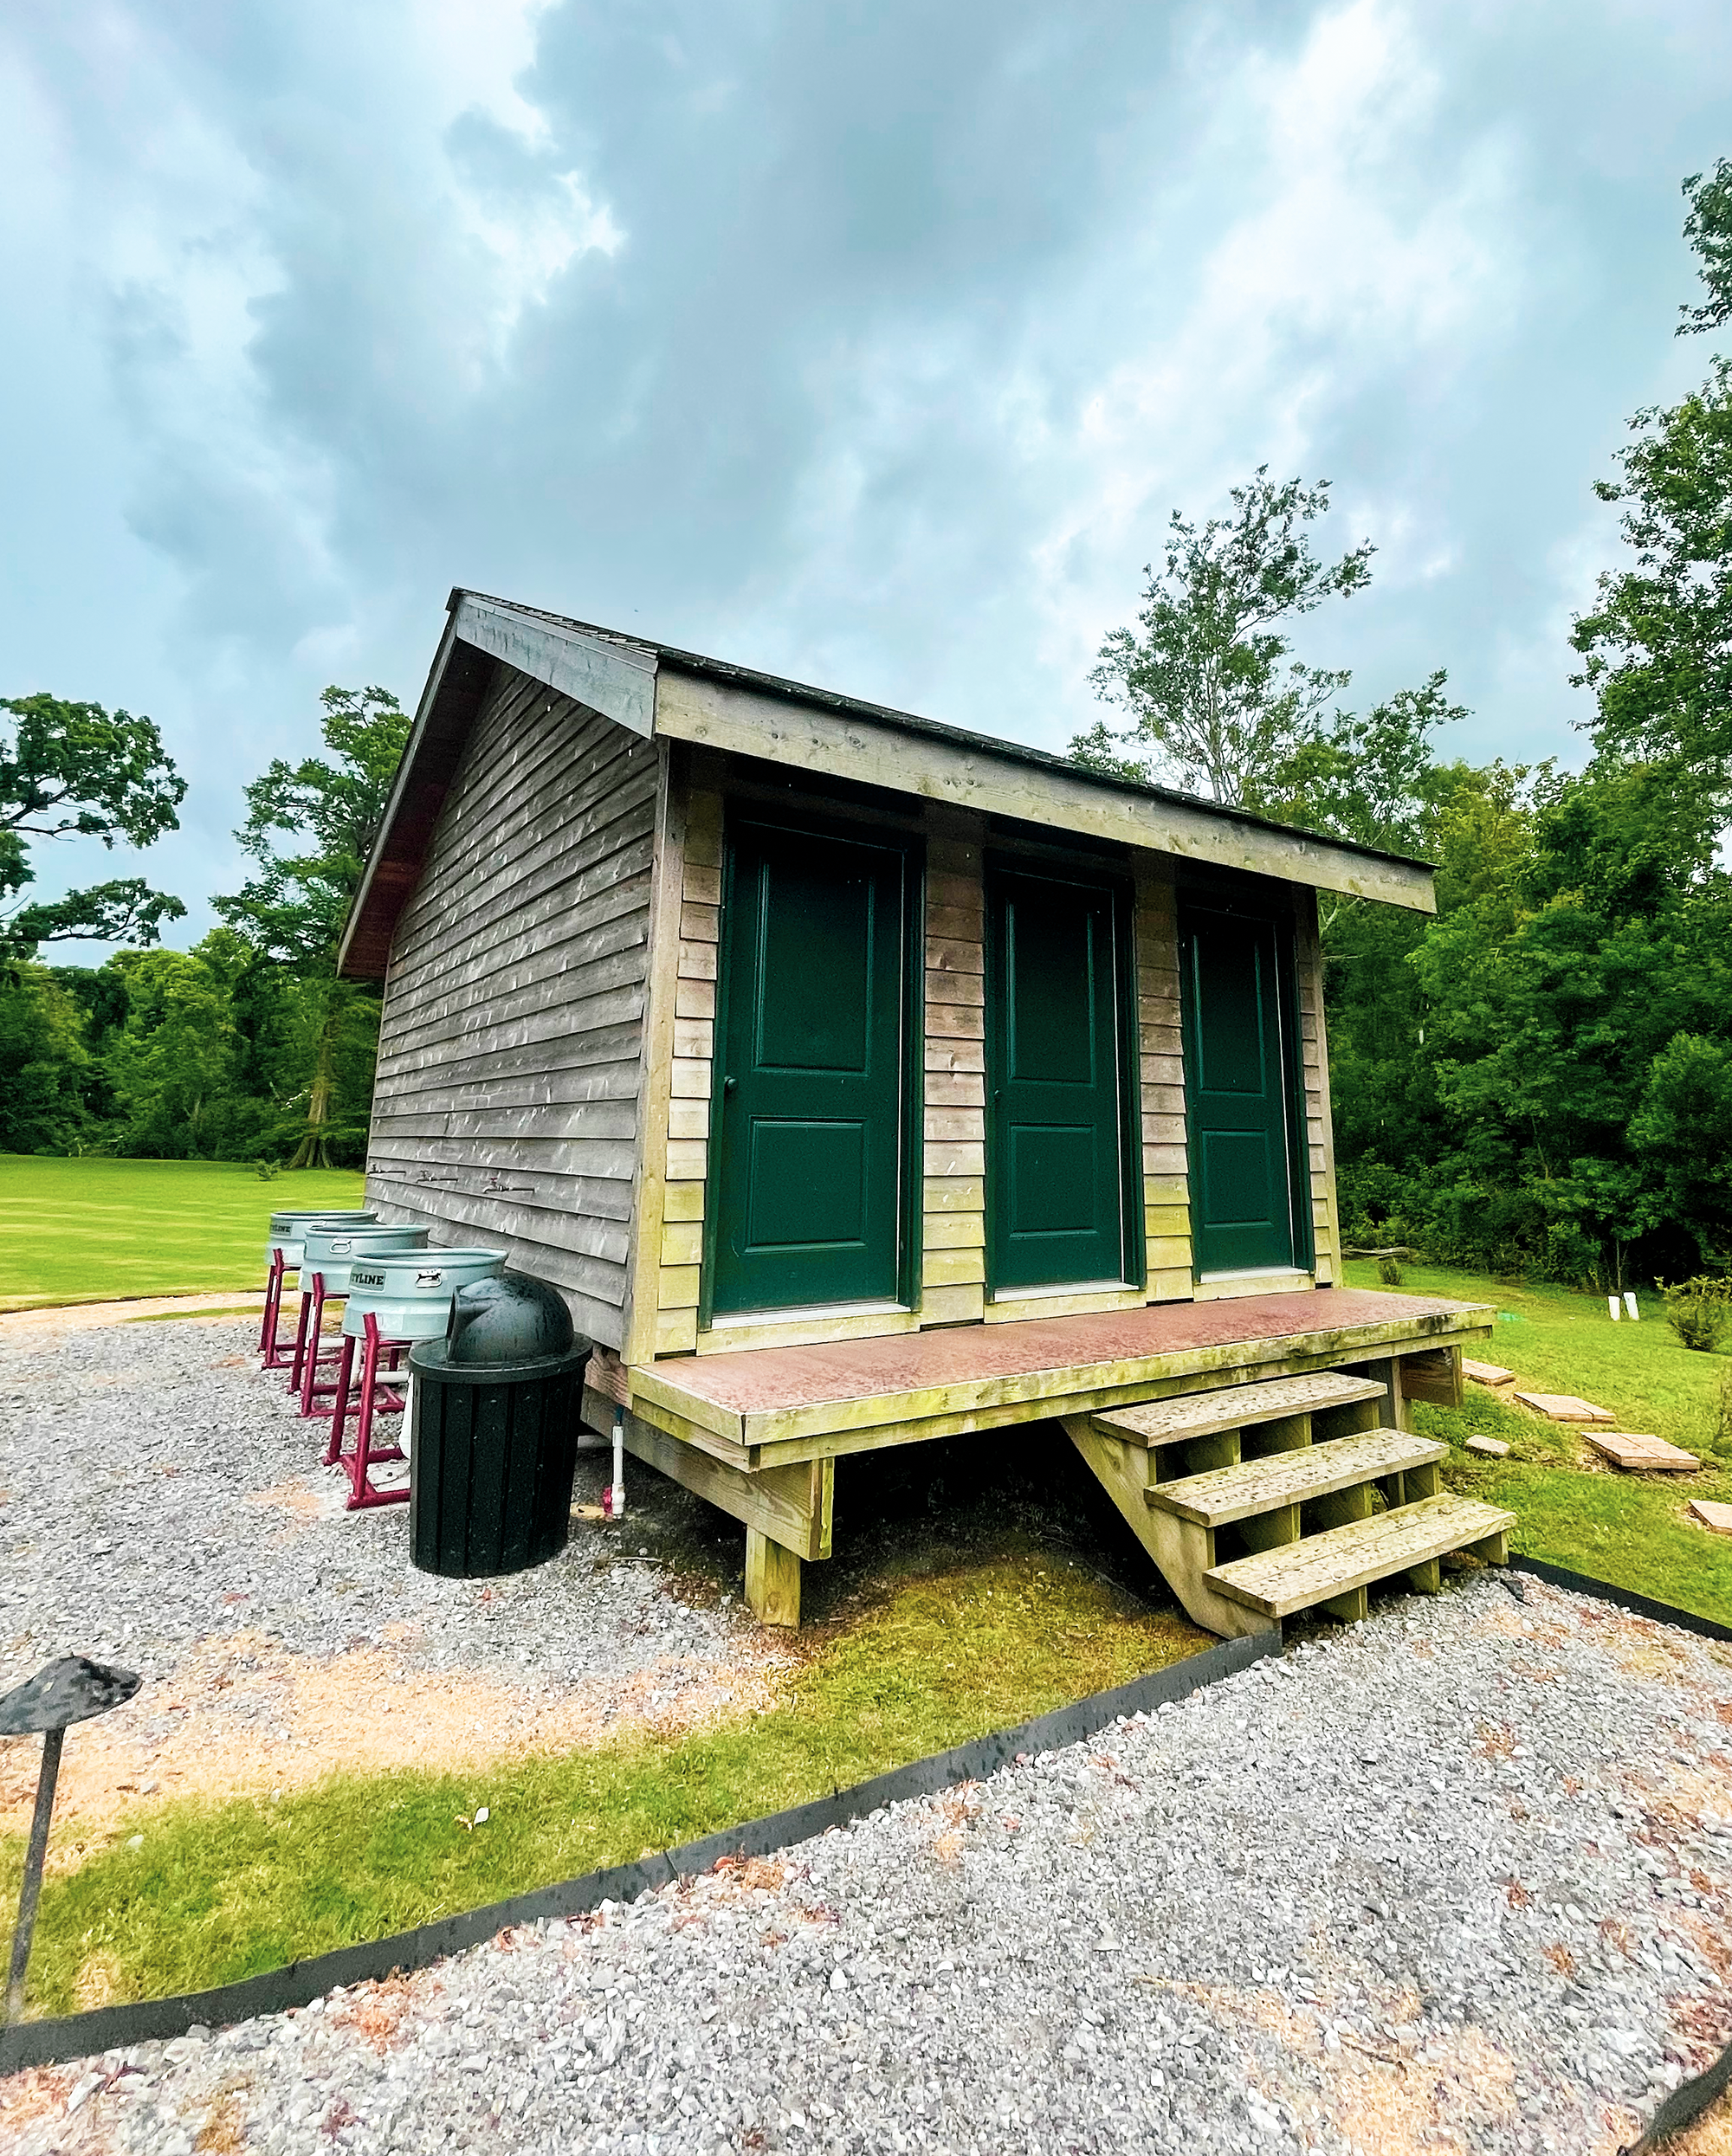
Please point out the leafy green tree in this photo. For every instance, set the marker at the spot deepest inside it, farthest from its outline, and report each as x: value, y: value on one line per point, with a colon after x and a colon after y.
x: 308, y: 830
x: 1656, y: 645
x: 1213, y: 699
x: 44, y: 1064
x: 75, y: 770
x: 1708, y: 226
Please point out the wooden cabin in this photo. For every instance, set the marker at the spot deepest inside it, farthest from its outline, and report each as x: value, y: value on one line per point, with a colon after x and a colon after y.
x: 859, y: 1081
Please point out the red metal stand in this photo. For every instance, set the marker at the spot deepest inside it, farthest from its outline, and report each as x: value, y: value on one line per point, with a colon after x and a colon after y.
x: 277, y: 1351
x: 375, y: 1395
x: 303, y: 1376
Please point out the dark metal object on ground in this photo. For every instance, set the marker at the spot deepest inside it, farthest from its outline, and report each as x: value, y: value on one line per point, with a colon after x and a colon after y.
x: 64, y: 1692
x: 493, y: 1446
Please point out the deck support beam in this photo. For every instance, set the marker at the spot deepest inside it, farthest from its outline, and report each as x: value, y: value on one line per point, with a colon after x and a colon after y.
x: 1182, y: 1550
x: 773, y: 1580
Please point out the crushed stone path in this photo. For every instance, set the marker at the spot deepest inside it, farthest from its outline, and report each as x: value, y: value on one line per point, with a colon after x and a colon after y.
x: 162, y: 1506
x: 1454, y: 1879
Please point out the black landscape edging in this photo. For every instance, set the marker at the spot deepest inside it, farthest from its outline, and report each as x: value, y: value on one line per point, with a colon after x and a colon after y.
x: 1622, y: 1598
x: 115, y: 2028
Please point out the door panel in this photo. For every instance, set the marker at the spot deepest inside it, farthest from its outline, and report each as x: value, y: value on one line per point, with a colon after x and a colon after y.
x: 1237, y: 1093
x: 809, y: 1115
x: 1055, y: 1129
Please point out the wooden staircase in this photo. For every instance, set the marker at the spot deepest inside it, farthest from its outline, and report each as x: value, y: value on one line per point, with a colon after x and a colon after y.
x: 1258, y: 1501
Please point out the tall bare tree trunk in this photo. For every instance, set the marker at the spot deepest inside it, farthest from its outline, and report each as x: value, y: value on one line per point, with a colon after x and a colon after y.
x: 311, y: 1151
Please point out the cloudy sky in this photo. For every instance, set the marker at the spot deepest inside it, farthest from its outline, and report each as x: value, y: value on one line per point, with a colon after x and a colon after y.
x: 871, y: 345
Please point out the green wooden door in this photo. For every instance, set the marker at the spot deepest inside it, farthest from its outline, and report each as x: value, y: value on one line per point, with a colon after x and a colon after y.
x: 1054, y: 1060
x: 1238, y: 1089
x: 808, y: 1114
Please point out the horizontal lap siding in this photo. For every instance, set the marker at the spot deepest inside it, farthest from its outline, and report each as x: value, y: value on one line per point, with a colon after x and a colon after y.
x: 954, y: 1139
x: 511, y: 1039
x: 1319, y: 1139
x: 1160, y: 1069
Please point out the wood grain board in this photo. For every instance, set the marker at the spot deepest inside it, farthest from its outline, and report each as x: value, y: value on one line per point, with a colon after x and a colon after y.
x: 1564, y: 1407
x: 1486, y: 1373
x: 1640, y: 1453
x: 1293, y: 1478
x: 1298, y: 1576
x: 1236, y: 1407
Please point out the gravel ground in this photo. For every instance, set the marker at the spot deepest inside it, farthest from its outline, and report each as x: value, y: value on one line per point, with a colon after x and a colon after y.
x: 158, y: 1492
x: 1453, y: 1879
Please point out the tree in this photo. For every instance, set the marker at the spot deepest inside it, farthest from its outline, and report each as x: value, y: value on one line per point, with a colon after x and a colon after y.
x: 292, y: 911
x: 75, y: 770
x: 1658, y: 645
x: 1708, y: 229
x: 1214, y: 700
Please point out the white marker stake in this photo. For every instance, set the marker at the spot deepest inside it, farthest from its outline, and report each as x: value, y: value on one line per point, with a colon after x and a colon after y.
x: 1615, y: 1307
x: 1630, y: 1303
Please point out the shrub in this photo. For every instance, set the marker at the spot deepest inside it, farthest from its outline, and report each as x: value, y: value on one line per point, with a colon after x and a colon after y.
x: 1389, y: 1271
x: 1699, y: 1311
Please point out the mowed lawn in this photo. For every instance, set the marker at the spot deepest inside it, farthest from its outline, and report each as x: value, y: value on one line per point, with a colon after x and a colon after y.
x: 1633, y: 1530
x: 93, y: 1230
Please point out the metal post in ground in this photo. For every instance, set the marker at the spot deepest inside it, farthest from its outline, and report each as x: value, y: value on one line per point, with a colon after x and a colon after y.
x: 64, y: 1692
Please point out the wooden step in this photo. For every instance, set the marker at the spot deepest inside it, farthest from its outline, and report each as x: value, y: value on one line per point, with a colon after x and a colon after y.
x: 1291, y: 1478
x: 1324, y: 1567
x: 1235, y: 1407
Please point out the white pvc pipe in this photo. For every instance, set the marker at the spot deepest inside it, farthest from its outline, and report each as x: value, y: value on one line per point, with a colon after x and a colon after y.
x: 617, y: 1495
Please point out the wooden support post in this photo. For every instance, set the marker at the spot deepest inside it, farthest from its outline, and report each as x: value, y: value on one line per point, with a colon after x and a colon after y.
x: 1494, y: 1550
x: 1349, y: 1607
x: 1291, y: 1434
x: 1271, y: 1530
x: 1426, y: 1578
x: 773, y: 1580
x: 1200, y: 1453
x: 1340, y: 1508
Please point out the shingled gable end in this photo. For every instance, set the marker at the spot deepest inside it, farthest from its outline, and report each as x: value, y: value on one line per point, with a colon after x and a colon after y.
x: 847, y: 1072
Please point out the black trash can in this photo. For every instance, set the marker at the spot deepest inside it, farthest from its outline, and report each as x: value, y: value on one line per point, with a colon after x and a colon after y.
x: 494, y: 1431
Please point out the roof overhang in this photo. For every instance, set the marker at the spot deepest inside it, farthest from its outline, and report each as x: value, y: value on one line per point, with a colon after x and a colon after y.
x: 656, y: 691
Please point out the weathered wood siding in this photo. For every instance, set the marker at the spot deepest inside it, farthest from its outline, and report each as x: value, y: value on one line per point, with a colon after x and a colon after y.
x: 953, y: 1134
x: 1166, y: 1185
x: 1319, y: 1135
x: 511, y: 1038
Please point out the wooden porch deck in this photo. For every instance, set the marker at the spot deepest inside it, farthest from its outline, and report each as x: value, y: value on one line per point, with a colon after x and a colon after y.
x: 771, y: 1405
x: 758, y: 1433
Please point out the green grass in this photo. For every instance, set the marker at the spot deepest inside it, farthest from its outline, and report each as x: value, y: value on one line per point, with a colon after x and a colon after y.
x: 93, y: 1230
x: 221, y: 1890
x: 1633, y: 1531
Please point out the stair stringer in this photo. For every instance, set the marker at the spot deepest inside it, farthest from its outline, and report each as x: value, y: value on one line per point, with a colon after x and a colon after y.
x: 1182, y: 1550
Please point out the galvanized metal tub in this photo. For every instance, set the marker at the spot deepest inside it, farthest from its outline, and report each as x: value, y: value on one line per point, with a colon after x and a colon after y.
x: 410, y: 1294
x: 329, y: 1251
x: 289, y: 1230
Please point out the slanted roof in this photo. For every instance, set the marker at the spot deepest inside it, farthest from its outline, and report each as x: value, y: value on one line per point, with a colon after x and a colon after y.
x: 657, y: 690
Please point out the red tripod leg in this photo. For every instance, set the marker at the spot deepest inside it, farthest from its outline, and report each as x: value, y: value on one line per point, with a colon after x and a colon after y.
x: 346, y: 1366
x: 297, y: 1360
x: 273, y: 1304
x: 309, y: 1365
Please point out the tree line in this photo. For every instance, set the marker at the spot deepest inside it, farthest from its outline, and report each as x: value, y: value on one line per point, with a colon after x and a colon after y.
x: 1540, y: 1078
x: 247, y: 1047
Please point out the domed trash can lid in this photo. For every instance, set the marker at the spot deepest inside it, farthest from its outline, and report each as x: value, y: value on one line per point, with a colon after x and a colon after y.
x: 502, y: 1327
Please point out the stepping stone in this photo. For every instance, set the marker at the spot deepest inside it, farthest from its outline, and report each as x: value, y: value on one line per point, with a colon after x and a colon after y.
x: 1564, y: 1407
x: 1639, y: 1453
x: 1488, y: 1447
x: 1719, y: 1517
x: 1486, y: 1373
